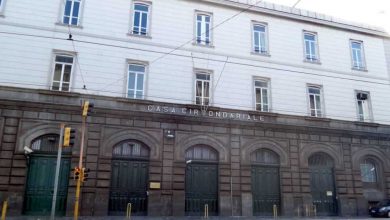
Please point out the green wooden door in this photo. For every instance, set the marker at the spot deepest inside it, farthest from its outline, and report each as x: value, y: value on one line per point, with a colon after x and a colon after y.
x: 265, y: 190
x: 323, y: 190
x: 201, y: 188
x: 129, y: 184
x: 40, y: 183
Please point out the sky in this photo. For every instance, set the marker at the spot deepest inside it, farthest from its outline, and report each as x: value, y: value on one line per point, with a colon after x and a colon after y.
x: 372, y: 12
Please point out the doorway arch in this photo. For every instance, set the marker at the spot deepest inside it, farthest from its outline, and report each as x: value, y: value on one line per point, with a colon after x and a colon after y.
x: 201, y: 180
x: 265, y: 181
x: 40, y: 177
x: 322, y: 184
x: 129, y: 178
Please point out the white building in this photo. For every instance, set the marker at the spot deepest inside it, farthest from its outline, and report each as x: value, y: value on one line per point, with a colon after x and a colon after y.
x: 295, y: 94
x: 293, y: 56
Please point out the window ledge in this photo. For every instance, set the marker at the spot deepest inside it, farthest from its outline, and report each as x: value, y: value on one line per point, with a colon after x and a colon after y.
x: 312, y: 118
x: 139, y: 36
x: 366, y: 123
x: 205, y: 46
x: 269, y: 113
x: 312, y: 62
x: 358, y: 69
x: 59, y: 93
x: 68, y: 25
x: 261, y: 54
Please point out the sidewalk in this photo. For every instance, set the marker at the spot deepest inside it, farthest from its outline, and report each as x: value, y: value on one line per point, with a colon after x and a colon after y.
x: 184, y: 218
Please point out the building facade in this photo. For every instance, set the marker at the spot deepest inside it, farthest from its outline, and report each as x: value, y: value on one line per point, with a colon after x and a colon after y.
x: 245, y: 107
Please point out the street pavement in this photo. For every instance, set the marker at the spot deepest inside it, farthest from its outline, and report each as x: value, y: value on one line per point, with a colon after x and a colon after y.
x: 187, y: 218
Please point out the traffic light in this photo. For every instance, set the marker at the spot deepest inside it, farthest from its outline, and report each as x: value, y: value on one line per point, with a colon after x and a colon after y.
x: 87, y: 108
x: 85, y: 174
x: 69, y: 136
x: 77, y: 173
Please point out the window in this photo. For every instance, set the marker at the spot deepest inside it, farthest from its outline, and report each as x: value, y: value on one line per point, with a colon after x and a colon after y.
x: 141, y: 19
x: 262, y: 95
x: 260, y: 44
x: 368, y: 171
x: 2, y: 3
x: 315, y: 104
x: 62, y: 72
x: 202, y: 89
x: 311, y: 47
x: 136, y: 81
x: 72, y: 12
x: 357, y: 55
x: 203, y: 31
x: 364, y: 106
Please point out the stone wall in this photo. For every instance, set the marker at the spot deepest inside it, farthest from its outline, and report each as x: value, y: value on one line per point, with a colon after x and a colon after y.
x: 27, y: 114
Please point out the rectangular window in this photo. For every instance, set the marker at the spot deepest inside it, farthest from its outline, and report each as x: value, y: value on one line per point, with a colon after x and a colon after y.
x: 311, y: 47
x: 136, y: 81
x: 202, y: 88
x: 72, y: 12
x: 364, y: 106
x: 262, y: 95
x: 141, y: 19
x: 1, y: 5
x: 62, y: 73
x: 357, y: 55
x: 315, y: 102
x: 260, y: 44
x: 203, y: 29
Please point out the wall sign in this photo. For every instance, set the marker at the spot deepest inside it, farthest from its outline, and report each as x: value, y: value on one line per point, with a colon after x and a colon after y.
x: 204, y: 113
x: 155, y: 185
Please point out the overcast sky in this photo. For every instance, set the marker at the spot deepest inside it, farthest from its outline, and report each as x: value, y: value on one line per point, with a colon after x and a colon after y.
x: 374, y: 12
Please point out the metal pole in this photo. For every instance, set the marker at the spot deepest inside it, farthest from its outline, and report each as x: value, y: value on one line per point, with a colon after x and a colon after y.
x: 58, y: 165
x: 77, y: 198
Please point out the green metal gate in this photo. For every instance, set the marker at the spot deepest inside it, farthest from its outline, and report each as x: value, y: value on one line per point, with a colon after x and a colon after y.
x: 201, y: 188
x: 129, y: 182
x: 40, y: 183
x: 322, y: 184
x: 265, y: 190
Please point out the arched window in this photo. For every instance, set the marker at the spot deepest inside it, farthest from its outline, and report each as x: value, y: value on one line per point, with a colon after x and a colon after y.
x: 47, y: 144
x: 131, y: 149
x: 368, y: 171
x: 321, y: 159
x: 202, y: 152
x: 265, y: 156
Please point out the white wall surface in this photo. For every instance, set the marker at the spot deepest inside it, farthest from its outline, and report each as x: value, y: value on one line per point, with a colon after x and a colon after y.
x: 27, y: 61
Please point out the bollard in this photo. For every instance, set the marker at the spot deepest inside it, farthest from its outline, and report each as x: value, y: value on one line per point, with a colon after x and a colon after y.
x: 315, y: 210
x: 275, y: 209
x: 128, y: 211
x: 299, y: 213
x: 307, y: 211
x: 4, y: 210
x: 206, y: 211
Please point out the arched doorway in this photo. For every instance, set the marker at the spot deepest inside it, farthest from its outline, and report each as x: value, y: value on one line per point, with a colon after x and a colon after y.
x: 265, y: 182
x: 322, y: 183
x: 40, y: 177
x: 129, y: 178
x: 201, y: 183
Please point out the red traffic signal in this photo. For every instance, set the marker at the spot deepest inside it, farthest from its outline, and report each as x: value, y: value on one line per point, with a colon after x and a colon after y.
x: 77, y: 173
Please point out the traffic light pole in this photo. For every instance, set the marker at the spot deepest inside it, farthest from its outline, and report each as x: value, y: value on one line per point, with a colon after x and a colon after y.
x: 58, y: 165
x: 77, y: 198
